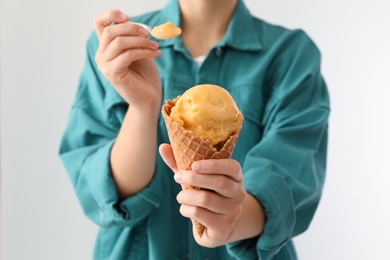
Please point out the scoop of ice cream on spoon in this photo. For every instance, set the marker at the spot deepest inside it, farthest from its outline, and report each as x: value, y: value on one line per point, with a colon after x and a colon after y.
x: 163, y: 31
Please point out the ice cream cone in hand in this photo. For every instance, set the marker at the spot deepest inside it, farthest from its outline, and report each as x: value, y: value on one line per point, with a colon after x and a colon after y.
x: 203, y: 123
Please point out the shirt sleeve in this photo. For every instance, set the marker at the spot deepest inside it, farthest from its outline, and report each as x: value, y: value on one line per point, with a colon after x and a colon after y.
x: 285, y: 171
x: 85, y: 151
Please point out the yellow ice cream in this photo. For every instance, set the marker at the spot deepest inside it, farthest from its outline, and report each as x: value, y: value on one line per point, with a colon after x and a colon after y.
x: 209, y: 112
x: 165, y: 31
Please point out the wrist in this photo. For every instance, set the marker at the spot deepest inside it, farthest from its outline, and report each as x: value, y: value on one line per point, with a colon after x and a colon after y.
x: 145, y: 115
x: 251, y: 221
x: 149, y: 108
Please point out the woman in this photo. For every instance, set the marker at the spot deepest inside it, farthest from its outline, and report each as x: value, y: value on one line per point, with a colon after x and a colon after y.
x: 253, y: 204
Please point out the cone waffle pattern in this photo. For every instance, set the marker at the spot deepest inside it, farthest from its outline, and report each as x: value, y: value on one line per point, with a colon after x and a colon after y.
x: 188, y: 148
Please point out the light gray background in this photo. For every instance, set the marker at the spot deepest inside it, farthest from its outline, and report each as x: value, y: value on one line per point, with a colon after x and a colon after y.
x: 42, y: 55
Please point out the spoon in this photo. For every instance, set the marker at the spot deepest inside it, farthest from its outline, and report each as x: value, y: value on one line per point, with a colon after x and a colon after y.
x: 146, y: 27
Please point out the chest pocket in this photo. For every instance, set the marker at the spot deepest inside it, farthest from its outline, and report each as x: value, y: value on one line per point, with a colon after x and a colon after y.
x: 251, y: 101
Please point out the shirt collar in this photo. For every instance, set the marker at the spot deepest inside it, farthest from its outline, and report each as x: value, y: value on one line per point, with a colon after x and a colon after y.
x: 241, y: 33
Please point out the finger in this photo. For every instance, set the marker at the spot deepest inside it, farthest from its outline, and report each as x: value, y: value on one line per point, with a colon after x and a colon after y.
x: 228, y: 167
x: 217, y: 225
x: 112, y: 32
x: 209, y: 200
x: 117, y: 69
x: 129, y: 56
x: 105, y: 19
x: 166, y: 153
x: 122, y: 44
x: 221, y: 184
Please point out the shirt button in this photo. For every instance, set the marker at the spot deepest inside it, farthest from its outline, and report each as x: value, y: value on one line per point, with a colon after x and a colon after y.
x: 218, y: 51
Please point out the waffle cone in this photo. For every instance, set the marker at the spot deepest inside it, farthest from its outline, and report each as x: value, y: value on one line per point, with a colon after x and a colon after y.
x: 188, y: 148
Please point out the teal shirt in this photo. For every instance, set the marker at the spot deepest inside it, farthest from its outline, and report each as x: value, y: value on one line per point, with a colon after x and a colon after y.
x: 274, y: 75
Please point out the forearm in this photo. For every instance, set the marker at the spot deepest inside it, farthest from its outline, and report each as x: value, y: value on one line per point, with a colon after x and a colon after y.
x: 133, y: 155
x: 251, y: 221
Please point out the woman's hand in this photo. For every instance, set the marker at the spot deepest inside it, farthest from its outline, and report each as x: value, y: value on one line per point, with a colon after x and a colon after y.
x: 125, y: 57
x: 218, y: 204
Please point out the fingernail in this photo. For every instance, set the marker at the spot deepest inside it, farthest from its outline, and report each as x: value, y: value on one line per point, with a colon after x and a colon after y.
x: 178, y: 177
x: 143, y: 32
x: 197, y: 166
x: 122, y: 16
x: 155, y: 44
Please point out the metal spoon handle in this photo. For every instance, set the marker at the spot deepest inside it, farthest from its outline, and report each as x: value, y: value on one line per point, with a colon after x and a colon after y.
x: 146, y: 27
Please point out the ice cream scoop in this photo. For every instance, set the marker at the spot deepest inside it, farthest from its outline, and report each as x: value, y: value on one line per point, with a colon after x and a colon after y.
x: 209, y: 111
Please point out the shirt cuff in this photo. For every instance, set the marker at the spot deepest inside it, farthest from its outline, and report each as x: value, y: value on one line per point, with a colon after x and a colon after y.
x: 276, y: 198
x: 103, y: 188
